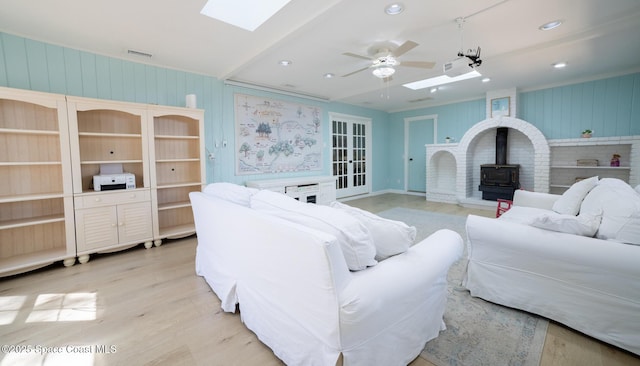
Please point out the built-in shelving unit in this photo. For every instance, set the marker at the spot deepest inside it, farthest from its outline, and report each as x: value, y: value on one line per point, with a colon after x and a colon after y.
x: 52, y: 146
x: 177, y: 168
x: 564, y: 169
x: 36, y: 207
x: 105, y: 132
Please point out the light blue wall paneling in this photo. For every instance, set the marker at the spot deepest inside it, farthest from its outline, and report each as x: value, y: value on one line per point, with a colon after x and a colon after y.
x: 56, y: 69
x: 609, y: 106
x: 453, y: 121
x: 28, y: 64
x: 15, y: 62
x: 38, y: 71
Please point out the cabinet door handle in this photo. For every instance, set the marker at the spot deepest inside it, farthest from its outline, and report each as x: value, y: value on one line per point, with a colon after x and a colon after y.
x: 121, y: 224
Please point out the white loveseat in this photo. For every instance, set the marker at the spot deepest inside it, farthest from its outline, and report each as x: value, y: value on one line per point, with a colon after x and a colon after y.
x: 580, y: 270
x: 295, y: 291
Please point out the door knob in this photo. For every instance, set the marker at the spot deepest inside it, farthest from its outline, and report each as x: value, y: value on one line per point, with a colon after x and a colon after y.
x: 410, y: 159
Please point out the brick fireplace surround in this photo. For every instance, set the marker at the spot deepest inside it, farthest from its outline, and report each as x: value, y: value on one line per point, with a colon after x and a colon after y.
x: 453, y: 170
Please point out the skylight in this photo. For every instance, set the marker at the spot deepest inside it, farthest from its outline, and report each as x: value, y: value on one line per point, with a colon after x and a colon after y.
x: 235, y: 12
x: 440, y: 80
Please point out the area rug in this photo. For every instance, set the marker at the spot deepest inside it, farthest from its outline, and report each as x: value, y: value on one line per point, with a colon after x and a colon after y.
x: 478, y: 332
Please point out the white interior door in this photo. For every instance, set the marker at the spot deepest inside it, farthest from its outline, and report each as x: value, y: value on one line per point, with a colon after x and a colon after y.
x: 350, y: 150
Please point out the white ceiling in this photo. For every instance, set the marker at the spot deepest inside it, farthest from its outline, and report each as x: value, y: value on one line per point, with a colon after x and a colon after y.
x: 598, y: 39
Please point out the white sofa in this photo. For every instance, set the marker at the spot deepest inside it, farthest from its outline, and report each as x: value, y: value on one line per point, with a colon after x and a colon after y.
x: 532, y: 259
x: 295, y: 291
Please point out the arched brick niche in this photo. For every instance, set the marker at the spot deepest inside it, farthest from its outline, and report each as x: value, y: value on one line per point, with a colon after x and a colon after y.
x: 527, y: 146
x: 441, y: 173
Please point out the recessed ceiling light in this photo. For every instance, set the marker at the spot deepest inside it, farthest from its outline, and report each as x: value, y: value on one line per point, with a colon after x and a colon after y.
x: 394, y: 9
x: 284, y: 62
x: 550, y: 25
x: 433, y: 90
x: 486, y: 80
x: 329, y: 75
x: 559, y: 65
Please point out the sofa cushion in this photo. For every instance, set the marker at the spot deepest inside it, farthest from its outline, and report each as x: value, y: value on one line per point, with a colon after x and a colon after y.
x: 234, y: 193
x: 357, y: 245
x: 569, y: 203
x: 390, y: 237
x: 620, y: 207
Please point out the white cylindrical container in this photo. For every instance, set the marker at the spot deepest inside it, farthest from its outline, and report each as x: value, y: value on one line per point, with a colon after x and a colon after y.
x: 191, y: 101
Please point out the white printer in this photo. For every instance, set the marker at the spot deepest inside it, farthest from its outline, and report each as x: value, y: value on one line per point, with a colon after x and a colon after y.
x: 112, y: 177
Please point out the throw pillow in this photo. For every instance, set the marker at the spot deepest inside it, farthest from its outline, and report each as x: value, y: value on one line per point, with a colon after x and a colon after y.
x: 234, y: 193
x: 569, y: 203
x: 354, y: 239
x: 620, y: 207
x: 585, y: 225
x: 390, y: 237
x: 523, y: 214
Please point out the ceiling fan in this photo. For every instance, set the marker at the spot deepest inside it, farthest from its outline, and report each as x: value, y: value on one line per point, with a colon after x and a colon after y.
x: 384, y: 59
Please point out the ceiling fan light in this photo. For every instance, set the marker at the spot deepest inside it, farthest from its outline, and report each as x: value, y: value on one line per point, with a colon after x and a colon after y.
x: 383, y: 71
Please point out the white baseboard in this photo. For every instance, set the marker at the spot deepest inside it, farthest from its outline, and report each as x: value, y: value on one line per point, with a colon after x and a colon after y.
x: 377, y: 193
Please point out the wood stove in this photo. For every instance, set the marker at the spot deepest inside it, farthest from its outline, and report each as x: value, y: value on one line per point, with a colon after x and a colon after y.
x: 499, y: 180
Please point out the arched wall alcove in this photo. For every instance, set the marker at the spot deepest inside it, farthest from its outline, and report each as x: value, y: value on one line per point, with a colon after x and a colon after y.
x: 527, y: 147
x: 442, y: 170
x: 445, y: 164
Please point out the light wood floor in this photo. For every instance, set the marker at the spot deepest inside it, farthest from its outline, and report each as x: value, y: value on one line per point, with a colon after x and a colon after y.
x: 147, y: 307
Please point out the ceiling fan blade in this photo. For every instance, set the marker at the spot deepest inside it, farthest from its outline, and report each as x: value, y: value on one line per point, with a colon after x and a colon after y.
x: 355, y: 72
x: 404, y: 48
x: 357, y: 56
x: 419, y: 64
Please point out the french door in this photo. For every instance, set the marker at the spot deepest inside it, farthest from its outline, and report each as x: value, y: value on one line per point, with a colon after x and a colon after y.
x: 351, y: 154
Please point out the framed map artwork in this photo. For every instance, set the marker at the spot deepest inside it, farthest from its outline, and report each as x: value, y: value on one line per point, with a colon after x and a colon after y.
x: 273, y: 136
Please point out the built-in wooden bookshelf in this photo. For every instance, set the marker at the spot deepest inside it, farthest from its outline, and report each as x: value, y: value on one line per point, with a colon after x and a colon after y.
x: 36, y: 207
x: 177, y: 168
x: 106, y: 132
x: 52, y: 146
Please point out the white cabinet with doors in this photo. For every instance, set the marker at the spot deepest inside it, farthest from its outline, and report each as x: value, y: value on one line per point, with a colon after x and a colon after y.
x: 112, y: 221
